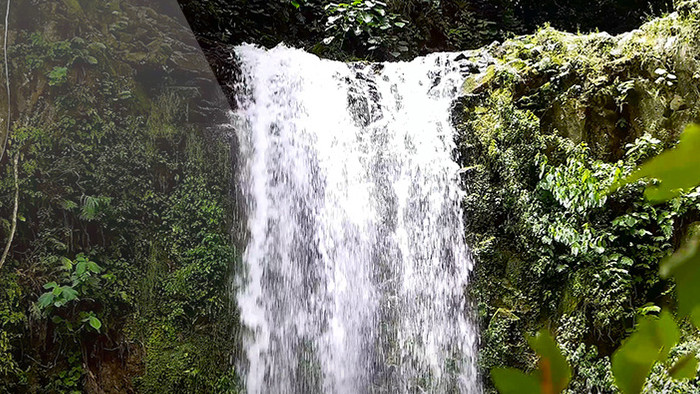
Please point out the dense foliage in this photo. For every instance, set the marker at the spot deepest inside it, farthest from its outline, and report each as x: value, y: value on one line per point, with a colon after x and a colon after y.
x: 402, y: 29
x: 670, y: 175
x: 545, y: 131
x: 118, y: 274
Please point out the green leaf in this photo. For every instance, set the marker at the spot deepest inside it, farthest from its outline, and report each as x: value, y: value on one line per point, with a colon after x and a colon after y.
x: 81, y: 267
x: 685, y: 368
x: 676, y: 169
x: 45, y: 300
x: 552, y: 376
x: 630, y: 376
x: 93, y: 267
x: 513, y: 381
x: 684, y: 266
x: 69, y: 293
x: 648, y: 308
x: 50, y: 285
x: 66, y: 264
x: 652, y: 341
x: 97, y: 46
x: 554, y: 370
x: 295, y: 4
x: 58, y: 76
x: 95, y: 323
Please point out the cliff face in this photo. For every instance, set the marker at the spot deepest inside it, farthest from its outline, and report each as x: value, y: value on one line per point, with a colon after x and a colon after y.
x: 117, y: 278
x: 545, y: 129
x: 599, y: 89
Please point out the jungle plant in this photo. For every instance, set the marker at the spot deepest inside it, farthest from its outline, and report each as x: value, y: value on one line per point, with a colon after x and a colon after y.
x: 668, y: 176
x: 80, y: 279
x: 69, y: 379
x: 57, y: 76
x: 366, y: 23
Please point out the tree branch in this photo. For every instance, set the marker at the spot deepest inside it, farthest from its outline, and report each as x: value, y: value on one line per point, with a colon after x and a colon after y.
x: 7, y: 84
x: 14, y: 215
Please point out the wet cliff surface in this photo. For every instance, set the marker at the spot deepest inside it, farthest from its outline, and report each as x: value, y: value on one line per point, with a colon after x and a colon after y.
x: 547, y: 123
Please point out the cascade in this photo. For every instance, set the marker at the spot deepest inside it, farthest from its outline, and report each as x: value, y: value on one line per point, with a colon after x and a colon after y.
x: 356, y: 263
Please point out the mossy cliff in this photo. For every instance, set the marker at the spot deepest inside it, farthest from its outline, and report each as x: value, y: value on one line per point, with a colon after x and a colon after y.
x: 544, y: 129
x: 117, y: 279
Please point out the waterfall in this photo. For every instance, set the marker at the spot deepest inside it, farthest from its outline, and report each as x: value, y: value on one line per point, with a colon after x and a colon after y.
x: 356, y: 263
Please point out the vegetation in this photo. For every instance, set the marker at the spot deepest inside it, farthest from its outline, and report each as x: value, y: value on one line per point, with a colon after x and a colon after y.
x: 118, y: 271
x: 401, y: 29
x: 117, y: 204
x: 546, y: 130
x: 653, y: 337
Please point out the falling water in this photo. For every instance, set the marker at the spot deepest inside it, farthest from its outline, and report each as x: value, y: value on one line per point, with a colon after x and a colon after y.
x: 356, y: 260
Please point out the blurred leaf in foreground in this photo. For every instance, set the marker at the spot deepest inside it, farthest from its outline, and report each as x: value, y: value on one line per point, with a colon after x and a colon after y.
x: 551, y: 377
x: 651, y: 342
x: 685, y: 368
x: 675, y: 170
x: 684, y: 266
x: 515, y: 381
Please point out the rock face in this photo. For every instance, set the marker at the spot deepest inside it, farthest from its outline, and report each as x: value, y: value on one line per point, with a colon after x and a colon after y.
x: 602, y: 90
x: 546, y: 125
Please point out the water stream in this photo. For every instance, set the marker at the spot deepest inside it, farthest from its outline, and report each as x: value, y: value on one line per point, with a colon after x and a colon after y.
x: 356, y: 259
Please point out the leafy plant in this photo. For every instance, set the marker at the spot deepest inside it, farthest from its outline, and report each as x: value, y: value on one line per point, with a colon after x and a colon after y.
x: 69, y: 379
x: 675, y: 170
x: 94, y: 207
x: 552, y: 376
x: 58, y: 76
x: 80, y: 279
x: 651, y: 342
x: 368, y: 23
x: 670, y: 174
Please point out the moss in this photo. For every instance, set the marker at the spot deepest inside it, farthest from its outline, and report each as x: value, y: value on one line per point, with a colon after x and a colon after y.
x: 183, y: 364
x: 556, y: 117
x: 74, y: 6
x: 12, y: 318
x: 570, y: 81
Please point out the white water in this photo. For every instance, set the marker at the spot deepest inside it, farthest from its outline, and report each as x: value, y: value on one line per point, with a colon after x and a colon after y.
x: 356, y: 256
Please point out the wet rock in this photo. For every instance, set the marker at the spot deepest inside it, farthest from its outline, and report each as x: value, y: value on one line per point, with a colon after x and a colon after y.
x: 678, y: 103
x: 576, y: 84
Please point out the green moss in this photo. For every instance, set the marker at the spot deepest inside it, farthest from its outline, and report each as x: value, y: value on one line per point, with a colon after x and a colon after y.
x: 184, y: 364
x: 559, y: 118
